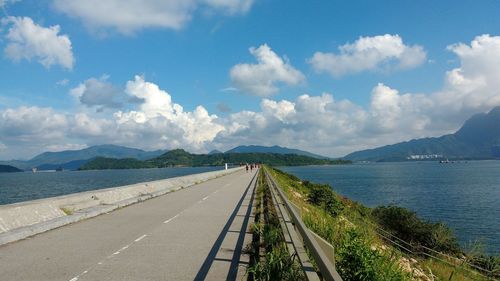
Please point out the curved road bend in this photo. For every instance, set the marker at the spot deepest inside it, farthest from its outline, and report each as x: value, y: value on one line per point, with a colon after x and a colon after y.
x: 196, y: 233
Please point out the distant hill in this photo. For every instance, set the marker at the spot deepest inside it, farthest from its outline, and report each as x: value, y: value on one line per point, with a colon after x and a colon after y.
x: 215, y: 151
x: 478, y: 138
x: 103, y: 163
x: 272, y: 149
x: 72, y: 165
x: 73, y: 159
x: 180, y: 157
x: 9, y: 169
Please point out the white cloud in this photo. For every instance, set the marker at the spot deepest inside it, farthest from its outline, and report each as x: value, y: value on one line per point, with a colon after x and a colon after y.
x: 4, y: 3
x: 129, y: 16
x: 99, y: 93
x: 369, y: 53
x: 193, y: 128
x: 262, y: 79
x: 63, y: 82
x: 28, y: 40
x: 321, y: 124
x: 231, y: 6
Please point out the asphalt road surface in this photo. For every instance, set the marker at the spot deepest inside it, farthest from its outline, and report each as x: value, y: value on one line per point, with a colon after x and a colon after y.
x: 197, y: 233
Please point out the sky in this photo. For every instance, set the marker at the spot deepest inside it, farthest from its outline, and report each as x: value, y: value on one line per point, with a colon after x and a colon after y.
x: 330, y: 77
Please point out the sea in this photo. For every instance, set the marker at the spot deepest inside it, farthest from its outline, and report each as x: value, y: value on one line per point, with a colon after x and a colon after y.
x: 18, y: 187
x: 464, y: 195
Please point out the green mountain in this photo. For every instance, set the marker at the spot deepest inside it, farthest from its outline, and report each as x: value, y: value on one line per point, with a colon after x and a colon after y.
x: 103, y: 163
x: 478, y: 138
x: 272, y: 149
x: 180, y: 157
x: 73, y: 159
x: 8, y: 169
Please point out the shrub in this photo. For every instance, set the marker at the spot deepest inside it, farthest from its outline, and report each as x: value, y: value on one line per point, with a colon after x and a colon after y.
x: 358, y: 262
x: 406, y: 225
x: 323, y: 196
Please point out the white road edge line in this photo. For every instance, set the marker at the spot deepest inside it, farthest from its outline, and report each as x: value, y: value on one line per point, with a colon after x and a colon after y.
x: 167, y: 221
x: 140, y: 238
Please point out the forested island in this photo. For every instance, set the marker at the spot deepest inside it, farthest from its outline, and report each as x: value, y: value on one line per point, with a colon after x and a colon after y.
x: 182, y: 158
x: 9, y: 169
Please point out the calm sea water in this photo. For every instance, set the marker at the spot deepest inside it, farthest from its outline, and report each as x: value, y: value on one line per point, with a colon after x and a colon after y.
x: 466, y: 196
x: 17, y: 187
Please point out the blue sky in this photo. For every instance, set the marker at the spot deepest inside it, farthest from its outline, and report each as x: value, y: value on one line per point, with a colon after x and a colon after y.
x: 197, y: 53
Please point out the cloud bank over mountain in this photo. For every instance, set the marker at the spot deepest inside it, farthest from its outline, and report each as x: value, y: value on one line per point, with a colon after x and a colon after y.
x: 317, y: 123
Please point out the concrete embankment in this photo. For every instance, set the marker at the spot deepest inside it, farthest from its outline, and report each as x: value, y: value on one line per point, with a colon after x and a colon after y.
x: 21, y: 220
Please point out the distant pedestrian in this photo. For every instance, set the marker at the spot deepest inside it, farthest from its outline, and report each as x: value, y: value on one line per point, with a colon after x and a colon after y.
x: 251, y: 168
x: 246, y: 167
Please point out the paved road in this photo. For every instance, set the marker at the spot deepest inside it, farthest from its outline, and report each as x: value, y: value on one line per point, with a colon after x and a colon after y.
x: 192, y: 234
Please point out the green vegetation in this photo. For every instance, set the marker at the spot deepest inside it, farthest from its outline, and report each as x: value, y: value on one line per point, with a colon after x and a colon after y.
x: 406, y: 225
x: 179, y: 157
x: 270, y: 259
x: 370, y: 244
x: 102, y: 163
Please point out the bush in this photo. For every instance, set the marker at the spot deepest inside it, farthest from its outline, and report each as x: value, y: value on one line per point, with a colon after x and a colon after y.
x: 358, y: 262
x: 406, y: 225
x: 323, y: 196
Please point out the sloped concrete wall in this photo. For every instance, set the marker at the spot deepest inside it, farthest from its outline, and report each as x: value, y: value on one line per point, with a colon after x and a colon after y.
x: 20, y: 220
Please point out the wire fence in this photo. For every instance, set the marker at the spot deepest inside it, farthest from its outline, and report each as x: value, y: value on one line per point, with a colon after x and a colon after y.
x: 420, y: 250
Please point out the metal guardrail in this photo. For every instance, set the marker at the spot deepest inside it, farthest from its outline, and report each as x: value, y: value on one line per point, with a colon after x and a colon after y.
x: 324, y: 264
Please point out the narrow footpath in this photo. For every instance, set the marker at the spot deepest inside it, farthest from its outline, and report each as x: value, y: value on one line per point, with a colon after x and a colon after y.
x: 197, y: 233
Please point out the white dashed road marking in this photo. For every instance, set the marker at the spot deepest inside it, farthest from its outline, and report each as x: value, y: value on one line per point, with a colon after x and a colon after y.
x: 167, y: 221
x: 140, y: 238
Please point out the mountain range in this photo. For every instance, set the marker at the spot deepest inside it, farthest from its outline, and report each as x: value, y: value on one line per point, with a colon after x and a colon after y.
x: 478, y: 138
x: 180, y: 157
x: 74, y: 159
x: 272, y: 149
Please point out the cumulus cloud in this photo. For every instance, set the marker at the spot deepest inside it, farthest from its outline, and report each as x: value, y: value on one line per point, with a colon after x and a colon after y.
x: 325, y: 125
x: 102, y: 94
x: 321, y: 123
x: 157, y: 123
x: 4, y: 3
x: 192, y: 129
x: 130, y: 16
x: 262, y: 79
x: 369, y: 53
x: 28, y: 40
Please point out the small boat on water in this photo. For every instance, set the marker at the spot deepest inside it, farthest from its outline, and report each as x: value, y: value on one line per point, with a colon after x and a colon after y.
x: 34, y: 170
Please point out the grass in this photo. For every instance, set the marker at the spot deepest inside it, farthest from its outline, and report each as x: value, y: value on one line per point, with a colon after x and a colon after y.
x: 362, y: 253
x: 67, y: 211
x: 270, y: 259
